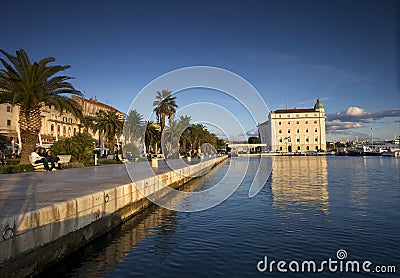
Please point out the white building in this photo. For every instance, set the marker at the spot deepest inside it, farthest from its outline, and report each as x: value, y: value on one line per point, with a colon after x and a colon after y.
x: 295, y: 130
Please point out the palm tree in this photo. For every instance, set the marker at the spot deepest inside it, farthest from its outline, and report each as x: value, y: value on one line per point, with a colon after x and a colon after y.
x: 184, y: 122
x: 165, y: 106
x: 110, y: 124
x: 196, y: 135
x: 152, y: 135
x: 133, y: 126
x: 88, y: 123
x: 31, y: 85
x: 171, y: 136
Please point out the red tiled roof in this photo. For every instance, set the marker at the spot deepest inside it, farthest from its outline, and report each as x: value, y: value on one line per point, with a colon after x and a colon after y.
x: 294, y: 110
x: 98, y: 104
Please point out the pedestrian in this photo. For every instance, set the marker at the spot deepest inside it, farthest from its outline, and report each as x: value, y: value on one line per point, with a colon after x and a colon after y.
x: 2, y: 158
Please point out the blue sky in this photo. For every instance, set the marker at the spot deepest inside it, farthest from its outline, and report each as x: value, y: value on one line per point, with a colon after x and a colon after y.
x: 345, y: 52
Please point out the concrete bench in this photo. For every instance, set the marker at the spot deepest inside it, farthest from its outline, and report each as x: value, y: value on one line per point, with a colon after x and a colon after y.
x: 64, y: 158
x: 37, y: 166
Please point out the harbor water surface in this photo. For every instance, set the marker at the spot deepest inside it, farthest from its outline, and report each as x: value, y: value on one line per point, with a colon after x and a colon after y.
x: 309, y: 209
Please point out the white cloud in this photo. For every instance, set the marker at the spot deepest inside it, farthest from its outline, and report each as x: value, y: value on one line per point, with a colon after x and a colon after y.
x: 252, y: 133
x: 339, y: 126
x: 355, y: 111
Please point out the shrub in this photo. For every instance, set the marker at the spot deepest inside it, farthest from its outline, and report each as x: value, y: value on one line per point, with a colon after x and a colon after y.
x: 130, y: 147
x: 13, y: 161
x: 109, y: 161
x: 80, y: 147
x: 73, y: 165
x: 11, y: 169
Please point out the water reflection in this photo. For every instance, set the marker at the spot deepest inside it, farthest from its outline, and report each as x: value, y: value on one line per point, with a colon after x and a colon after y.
x: 101, y: 256
x: 299, y: 186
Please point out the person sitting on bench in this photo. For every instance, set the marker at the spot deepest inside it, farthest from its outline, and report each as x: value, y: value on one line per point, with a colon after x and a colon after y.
x: 36, y: 158
x: 53, y: 160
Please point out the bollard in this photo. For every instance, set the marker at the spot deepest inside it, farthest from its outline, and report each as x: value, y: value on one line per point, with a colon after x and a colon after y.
x: 154, y: 162
x: 95, y: 159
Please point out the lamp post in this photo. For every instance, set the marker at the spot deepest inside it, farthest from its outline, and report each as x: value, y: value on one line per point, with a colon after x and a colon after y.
x: 372, y: 138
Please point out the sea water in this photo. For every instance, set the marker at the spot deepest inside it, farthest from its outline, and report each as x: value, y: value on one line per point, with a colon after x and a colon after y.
x: 331, y: 215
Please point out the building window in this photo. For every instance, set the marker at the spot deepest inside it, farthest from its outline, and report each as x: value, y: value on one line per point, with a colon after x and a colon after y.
x: 279, y: 123
x: 306, y: 122
x: 288, y: 131
x: 8, y: 122
x: 306, y: 115
x: 50, y: 106
x: 280, y: 131
x: 52, y: 129
x: 298, y: 140
x: 280, y: 148
x: 316, y: 139
x: 8, y: 108
x: 280, y: 116
x: 280, y: 139
x: 298, y: 148
x: 307, y: 139
x: 64, y: 131
x: 58, y: 129
x: 74, y: 131
x: 306, y: 130
x: 315, y: 122
x: 315, y: 115
x: 288, y: 116
x: 297, y: 115
x: 297, y: 122
x: 288, y: 122
x: 308, y: 148
x: 298, y: 130
x: 316, y: 129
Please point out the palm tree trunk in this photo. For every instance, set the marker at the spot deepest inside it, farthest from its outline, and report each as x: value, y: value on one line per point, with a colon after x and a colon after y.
x: 29, y: 131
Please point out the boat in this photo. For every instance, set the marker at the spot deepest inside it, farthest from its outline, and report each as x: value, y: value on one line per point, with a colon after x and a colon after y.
x: 342, y: 151
x: 392, y: 153
x: 361, y: 150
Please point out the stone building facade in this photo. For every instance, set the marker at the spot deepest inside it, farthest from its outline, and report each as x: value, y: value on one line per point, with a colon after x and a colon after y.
x: 295, y: 130
x: 55, y: 125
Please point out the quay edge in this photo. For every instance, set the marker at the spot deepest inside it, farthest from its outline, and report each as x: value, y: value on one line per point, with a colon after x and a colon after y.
x: 42, y: 237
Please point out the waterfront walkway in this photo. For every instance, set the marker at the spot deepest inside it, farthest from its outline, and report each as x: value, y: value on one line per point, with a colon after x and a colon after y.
x: 21, y: 193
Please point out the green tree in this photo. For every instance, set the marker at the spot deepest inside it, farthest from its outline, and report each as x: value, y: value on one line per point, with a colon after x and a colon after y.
x: 152, y: 136
x: 199, y: 135
x: 133, y: 126
x: 185, y: 134
x: 79, y: 146
x: 253, y: 140
x: 110, y: 124
x: 88, y: 123
x: 131, y: 148
x: 30, y: 85
x: 164, y: 106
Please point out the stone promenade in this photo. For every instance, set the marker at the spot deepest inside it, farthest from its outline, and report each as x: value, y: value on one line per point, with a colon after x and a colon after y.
x: 21, y: 193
